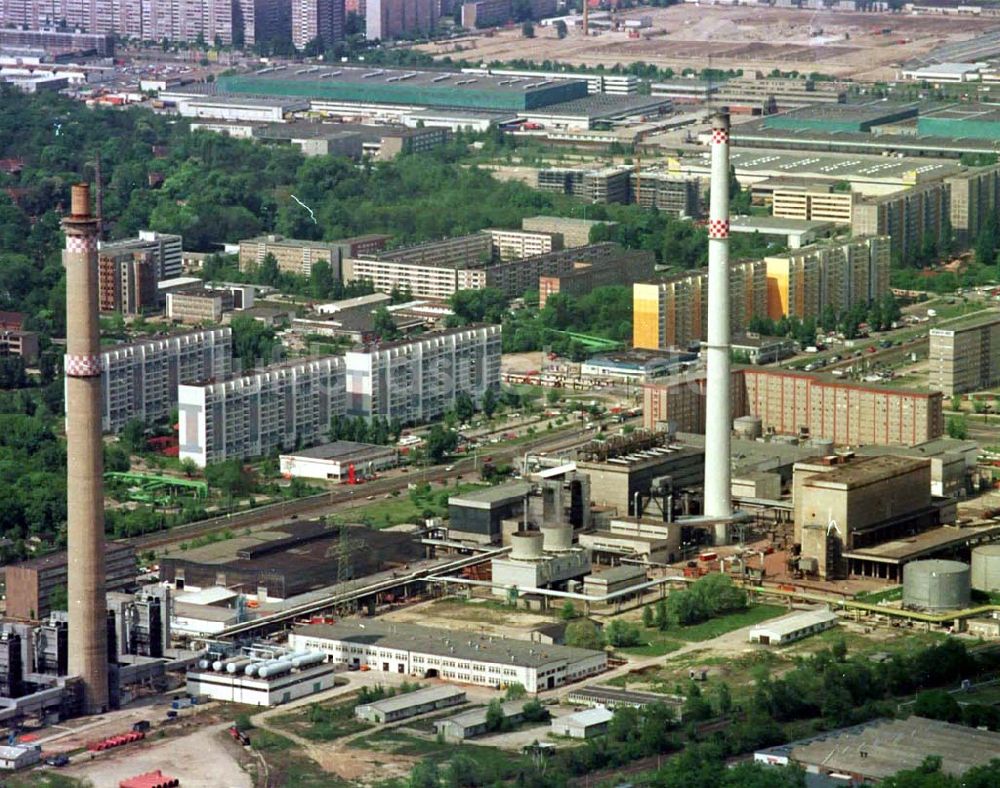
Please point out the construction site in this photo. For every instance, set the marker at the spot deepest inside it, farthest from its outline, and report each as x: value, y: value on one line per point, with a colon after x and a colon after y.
x: 845, y: 44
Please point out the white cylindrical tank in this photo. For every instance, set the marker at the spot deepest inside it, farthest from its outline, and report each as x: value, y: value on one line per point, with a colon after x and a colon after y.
x: 986, y: 567
x: 236, y: 665
x: 526, y: 545
x: 217, y: 665
x: 204, y: 664
x: 313, y: 658
x: 557, y: 538
x: 274, y: 669
x: 936, y: 585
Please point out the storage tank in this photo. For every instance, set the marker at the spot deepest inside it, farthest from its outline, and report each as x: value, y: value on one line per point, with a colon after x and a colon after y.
x: 274, y: 669
x: 237, y: 665
x: 526, y: 545
x: 557, y: 538
x: 936, y: 585
x: 313, y: 658
x: 986, y: 567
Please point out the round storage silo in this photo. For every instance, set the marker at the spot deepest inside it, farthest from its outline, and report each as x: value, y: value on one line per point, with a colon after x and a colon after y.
x: 936, y: 585
x: 557, y: 538
x: 986, y: 567
x: 526, y: 545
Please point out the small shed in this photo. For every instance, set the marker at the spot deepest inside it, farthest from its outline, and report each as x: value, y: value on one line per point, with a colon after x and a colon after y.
x: 19, y: 756
x: 796, y: 626
x: 584, y: 724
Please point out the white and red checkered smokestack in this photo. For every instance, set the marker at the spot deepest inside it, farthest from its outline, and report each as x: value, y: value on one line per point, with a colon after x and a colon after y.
x: 718, y: 415
x: 88, y: 634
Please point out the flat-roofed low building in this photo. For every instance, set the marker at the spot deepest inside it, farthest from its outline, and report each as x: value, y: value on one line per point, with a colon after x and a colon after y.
x: 575, y: 232
x: 964, y: 354
x: 465, y: 657
x: 614, y: 697
x: 473, y: 723
x: 272, y: 690
x: 410, y: 704
x: 875, y: 751
x: 613, y: 580
x: 338, y: 460
x: 760, y: 349
x: 813, y: 202
x: 399, y: 141
x: 199, y: 305
x: 636, y: 366
x: 19, y: 343
x: 795, y: 232
x: 788, y: 629
x: 584, y: 724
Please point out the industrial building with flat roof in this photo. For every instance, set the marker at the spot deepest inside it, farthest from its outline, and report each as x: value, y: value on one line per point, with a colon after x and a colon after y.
x: 141, y: 379
x: 472, y: 723
x: 842, y: 117
x: 30, y: 583
x: 337, y: 460
x: 964, y: 354
x: 478, y: 515
x: 275, y: 407
x: 255, y: 690
x: 289, y: 560
x: 877, y: 750
x: 418, y: 379
x: 460, y: 656
x: 428, y: 88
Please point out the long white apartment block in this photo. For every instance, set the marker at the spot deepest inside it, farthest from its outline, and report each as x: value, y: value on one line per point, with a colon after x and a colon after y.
x: 418, y: 379
x: 140, y: 379
x: 277, y: 407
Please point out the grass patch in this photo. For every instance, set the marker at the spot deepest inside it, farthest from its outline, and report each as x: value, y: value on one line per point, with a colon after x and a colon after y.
x: 386, y: 512
x: 714, y: 627
x: 288, y: 765
x: 39, y: 779
x: 657, y: 644
x: 324, y: 722
x: 499, y: 764
x: 885, y: 595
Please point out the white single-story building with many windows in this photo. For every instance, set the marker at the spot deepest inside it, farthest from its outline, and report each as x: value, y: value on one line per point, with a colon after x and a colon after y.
x: 463, y: 657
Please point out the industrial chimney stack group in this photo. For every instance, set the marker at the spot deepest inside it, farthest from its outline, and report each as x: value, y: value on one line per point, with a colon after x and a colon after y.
x: 88, y: 634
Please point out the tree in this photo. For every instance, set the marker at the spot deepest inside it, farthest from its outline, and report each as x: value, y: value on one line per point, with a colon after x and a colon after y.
x: 439, y: 442
x: 938, y: 705
x: 495, y: 718
x: 269, y: 274
x: 583, y: 633
x: 560, y: 27
x: 696, y: 707
x: 464, y: 406
x: 621, y: 634
x: 133, y: 436
x: 723, y: 699
x: 958, y: 427
x: 463, y: 772
x: 553, y: 396
x: 321, y: 280
x: 189, y: 466
x: 515, y: 691
x: 253, y: 342
x: 384, y: 326
x: 647, y: 617
x: 528, y: 29
x: 231, y: 477
x: 489, y: 403
x: 568, y: 611
x: 58, y: 598
x: 534, y: 711
x: 425, y: 775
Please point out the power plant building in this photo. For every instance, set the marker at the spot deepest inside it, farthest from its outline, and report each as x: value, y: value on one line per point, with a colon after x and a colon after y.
x: 419, y: 379
x: 276, y: 407
x: 964, y: 354
x: 141, y: 379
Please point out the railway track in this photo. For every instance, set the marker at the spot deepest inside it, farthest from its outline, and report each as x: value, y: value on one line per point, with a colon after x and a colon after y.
x: 318, y: 505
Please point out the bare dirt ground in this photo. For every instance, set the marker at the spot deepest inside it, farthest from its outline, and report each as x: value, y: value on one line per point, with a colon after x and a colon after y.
x: 848, y: 45
x: 202, y: 759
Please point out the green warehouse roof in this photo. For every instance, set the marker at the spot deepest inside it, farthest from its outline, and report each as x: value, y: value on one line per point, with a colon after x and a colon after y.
x: 376, y: 85
x: 978, y: 121
x: 842, y: 117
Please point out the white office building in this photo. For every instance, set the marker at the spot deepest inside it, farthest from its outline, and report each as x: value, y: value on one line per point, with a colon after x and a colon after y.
x: 418, y: 379
x: 140, y: 379
x: 277, y: 407
x: 166, y: 249
x: 464, y: 657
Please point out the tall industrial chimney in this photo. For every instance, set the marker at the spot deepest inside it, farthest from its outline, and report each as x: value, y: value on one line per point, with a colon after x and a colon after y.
x: 88, y: 634
x: 718, y: 417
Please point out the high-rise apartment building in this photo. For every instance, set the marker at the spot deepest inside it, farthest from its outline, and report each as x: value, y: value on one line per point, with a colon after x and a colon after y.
x: 839, y: 274
x: 975, y: 197
x: 127, y: 281
x: 295, y: 256
x: 673, y: 313
x: 912, y: 217
x: 140, y: 380
x: 964, y: 354
x: 322, y: 19
x: 226, y: 21
x: 804, y: 405
x: 518, y: 244
x: 672, y: 195
x: 391, y: 18
x: 277, y: 407
x: 419, y: 379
